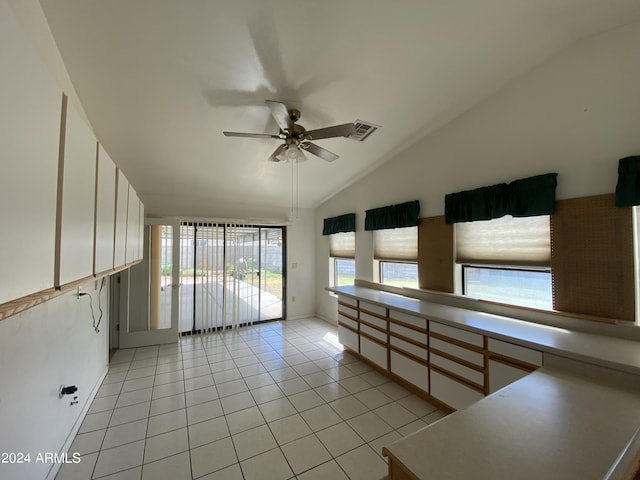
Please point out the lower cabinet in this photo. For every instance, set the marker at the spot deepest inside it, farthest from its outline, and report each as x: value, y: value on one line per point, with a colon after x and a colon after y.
x: 455, y: 366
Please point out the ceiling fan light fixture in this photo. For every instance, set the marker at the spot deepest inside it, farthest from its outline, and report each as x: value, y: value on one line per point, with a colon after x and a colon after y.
x: 291, y: 153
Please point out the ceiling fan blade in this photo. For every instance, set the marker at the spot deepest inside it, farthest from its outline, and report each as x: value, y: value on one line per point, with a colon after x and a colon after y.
x: 274, y: 156
x: 280, y: 114
x: 343, y: 130
x: 250, y: 135
x: 323, y: 153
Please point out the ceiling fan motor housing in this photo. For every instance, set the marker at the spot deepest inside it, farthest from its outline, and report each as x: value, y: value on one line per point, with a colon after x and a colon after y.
x: 294, y: 114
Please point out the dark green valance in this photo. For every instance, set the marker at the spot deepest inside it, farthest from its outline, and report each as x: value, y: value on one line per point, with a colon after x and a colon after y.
x: 393, y: 216
x: 527, y: 197
x: 342, y: 223
x: 628, y: 187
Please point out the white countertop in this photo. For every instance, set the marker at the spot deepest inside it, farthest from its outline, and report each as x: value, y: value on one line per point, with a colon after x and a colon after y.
x: 552, y: 424
x: 616, y: 353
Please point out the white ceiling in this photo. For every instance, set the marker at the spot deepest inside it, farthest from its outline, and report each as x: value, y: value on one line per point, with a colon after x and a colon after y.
x: 161, y: 79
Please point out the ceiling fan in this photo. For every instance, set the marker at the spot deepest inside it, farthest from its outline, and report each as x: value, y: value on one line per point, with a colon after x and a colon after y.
x: 296, y: 137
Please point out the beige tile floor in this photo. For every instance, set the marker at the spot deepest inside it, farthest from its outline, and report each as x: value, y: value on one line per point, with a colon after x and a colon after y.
x: 275, y: 401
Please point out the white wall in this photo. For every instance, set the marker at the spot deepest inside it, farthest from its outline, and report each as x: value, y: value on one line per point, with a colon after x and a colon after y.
x: 301, y: 244
x: 40, y: 349
x: 576, y: 114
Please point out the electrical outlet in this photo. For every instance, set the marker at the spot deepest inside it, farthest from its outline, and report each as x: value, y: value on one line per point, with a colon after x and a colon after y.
x: 293, y: 299
x: 78, y: 292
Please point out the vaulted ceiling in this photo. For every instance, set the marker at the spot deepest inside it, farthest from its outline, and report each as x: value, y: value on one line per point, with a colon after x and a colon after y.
x: 160, y: 80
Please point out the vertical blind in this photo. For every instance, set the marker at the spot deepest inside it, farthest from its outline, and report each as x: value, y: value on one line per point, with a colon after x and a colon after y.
x: 219, y: 287
x: 509, y: 241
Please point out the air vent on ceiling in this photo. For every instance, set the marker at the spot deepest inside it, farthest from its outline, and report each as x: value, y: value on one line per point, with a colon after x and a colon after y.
x: 363, y: 130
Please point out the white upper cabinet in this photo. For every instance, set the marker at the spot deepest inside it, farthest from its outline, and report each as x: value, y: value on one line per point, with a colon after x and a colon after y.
x: 105, y: 212
x: 141, y: 233
x: 133, y: 227
x: 29, y: 134
x: 122, y: 201
x: 78, y: 200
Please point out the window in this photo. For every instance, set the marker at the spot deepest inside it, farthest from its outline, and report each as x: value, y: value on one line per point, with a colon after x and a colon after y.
x: 506, y: 260
x: 525, y: 287
x: 396, y: 252
x: 399, y: 274
x: 344, y: 271
x: 342, y: 250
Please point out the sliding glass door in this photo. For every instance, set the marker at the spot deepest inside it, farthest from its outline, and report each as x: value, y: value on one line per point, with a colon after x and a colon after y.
x: 231, y: 275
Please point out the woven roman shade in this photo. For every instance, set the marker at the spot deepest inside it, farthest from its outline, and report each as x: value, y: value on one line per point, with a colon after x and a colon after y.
x: 592, y: 259
x: 396, y: 244
x: 435, y: 254
x: 508, y: 241
x: 342, y: 245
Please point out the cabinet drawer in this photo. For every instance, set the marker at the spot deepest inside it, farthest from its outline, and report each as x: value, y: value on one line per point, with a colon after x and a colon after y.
x: 407, y: 332
x: 348, y: 338
x: 374, y: 352
x: 501, y: 375
x: 378, y: 322
x: 453, y: 393
x: 459, y: 352
x: 457, y: 334
x: 348, y: 301
x: 409, y: 319
x: 409, y: 347
x: 454, y: 367
x: 347, y: 321
x: 370, y: 307
x: 410, y: 370
x: 523, y: 354
x: 352, y: 312
x: 382, y: 336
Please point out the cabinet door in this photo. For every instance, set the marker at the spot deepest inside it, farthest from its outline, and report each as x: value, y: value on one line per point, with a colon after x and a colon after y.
x: 373, y: 351
x: 105, y: 212
x: 410, y: 370
x: 452, y: 392
x: 122, y: 199
x: 29, y: 135
x: 348, y: 338
x: 78, y: 200
x: 501, y: 375
x: 133, y: 227
x: 510, y: 363
x: 141, y: 250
